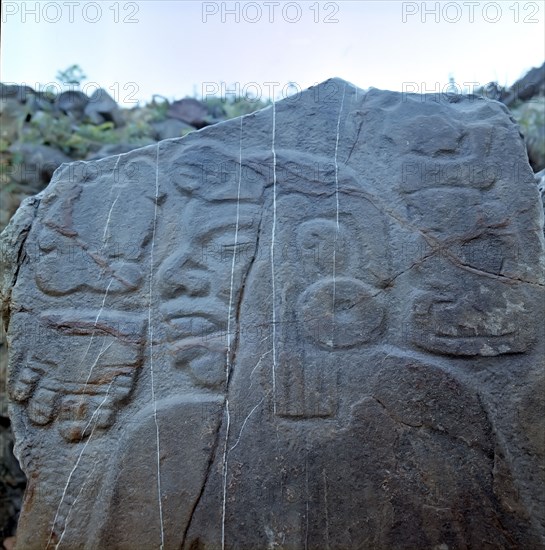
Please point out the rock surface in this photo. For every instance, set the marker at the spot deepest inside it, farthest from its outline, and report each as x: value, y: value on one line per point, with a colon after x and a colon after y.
x: 531, y: 119
x: 316, y: 326
x: 101, y: 107
x: 189, y: 110
x: 72, y: 103
x: 39, y: 162
x: 12, y: 483
x: 532, y: 84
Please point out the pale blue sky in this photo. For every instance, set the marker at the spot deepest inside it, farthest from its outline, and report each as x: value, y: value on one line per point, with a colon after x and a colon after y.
x: 175, y: 49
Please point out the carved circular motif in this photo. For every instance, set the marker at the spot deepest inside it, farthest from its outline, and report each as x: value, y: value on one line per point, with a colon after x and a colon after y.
x: 341, y: 313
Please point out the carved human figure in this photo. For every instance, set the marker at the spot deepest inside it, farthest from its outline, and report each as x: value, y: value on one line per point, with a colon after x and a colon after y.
x: 200, y: 286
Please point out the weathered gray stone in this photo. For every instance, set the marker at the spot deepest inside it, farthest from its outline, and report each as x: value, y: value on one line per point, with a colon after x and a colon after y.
x: 38, y: 163
x: 112, y: 149
x: 102, y: 107
x: 72, y: 103
x: 189, y: 110
x: 170, y: 128
x: 316, y: 326
x: 12, y: 483
x: 530, y: 85
x: 22, y: 94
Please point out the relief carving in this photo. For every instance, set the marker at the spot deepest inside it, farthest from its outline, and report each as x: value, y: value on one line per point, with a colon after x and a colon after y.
x: 223, y: 358
x: 472, y: 319
x: 57, y: 388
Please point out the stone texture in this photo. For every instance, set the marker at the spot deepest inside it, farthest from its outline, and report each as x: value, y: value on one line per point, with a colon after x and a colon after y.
x: 316, y: 326
x: 530, y: 85
x: 12, y: 483
x: 102, y: 107
x: 72, y: 103
x: 38, y: 163
x: 189, y: 110
x: 170, y: 128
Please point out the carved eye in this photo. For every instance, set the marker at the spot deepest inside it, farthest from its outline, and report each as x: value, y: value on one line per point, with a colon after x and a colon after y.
x: 322, y: 246
x: 240, y: 249
x: 315, y: 232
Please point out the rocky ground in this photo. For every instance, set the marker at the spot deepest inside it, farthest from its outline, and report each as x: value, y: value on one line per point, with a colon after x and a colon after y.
x: 39, y: 132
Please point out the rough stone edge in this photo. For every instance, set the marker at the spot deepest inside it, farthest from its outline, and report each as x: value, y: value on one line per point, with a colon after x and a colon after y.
x: 12, y: 254
x: 12, y: 247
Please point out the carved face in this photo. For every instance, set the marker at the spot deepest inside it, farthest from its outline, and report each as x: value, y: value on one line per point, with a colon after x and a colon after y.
x: 200, y: 285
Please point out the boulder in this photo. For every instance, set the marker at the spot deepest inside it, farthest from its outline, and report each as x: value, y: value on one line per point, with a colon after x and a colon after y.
x: 25, y: 95
x: 315, y: 326
x: 530, y: 85
x: 170, y: 128
x: 37, y: 163
x: 72, y: 103
x: 12, y: 482
x: 103, y: 108
x: 20, y: 93
x: 189, y: 110
x: 42, y: 101
x: 13, y: 115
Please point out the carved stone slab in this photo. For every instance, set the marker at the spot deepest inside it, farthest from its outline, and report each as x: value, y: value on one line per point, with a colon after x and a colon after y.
x: 319, y: 326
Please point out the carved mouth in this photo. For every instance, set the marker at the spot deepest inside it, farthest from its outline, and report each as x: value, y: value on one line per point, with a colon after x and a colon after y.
x: 189, y: 349
x: 191, y: 327
x: 468, y: 333
x: 451, y: 323
x: 186, y: 318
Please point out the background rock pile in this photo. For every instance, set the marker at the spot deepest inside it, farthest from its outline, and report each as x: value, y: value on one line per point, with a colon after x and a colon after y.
x: 40, y: 131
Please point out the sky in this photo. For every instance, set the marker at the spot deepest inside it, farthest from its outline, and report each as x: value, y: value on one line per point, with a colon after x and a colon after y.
x: 177, y: 48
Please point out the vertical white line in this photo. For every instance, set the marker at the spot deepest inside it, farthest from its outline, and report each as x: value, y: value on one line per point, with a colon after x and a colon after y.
x: 73, y: 471
x: 66, y: 521
x: 273, y: 236
x: 229, y: 315
x: 224, y: 502
x: 307, y: 507
x: 336, y: 218
x: 63, y: 496
x: 228, y: 358
x: 245, y: 421
x: 326, y: 510
x: 93, y: 418
x: 107, y: 225
x: 150, y: 336
x: 101, y: 352
x: 104, y: 240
